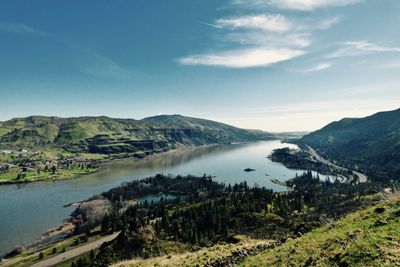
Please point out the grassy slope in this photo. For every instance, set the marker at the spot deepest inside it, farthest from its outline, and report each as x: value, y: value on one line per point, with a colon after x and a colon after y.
x: 196, y: 258
x: 44, y: 131
x: 365, y: 238
x: 66, y: 137
x: 39, y: 132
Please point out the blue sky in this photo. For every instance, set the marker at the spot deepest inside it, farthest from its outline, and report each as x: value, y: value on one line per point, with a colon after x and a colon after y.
x: 274, y: 65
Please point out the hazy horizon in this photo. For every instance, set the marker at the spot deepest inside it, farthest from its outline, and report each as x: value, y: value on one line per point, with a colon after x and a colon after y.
x: 276, y: 131
x: 278, y: 66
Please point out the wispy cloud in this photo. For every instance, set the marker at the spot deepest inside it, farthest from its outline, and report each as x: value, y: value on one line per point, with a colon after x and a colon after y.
x: 266, y: 22
x: 242, y: 58
x: 303, y: 5
x: 21, y: 29
x: 255, y: 38
x: 211, y: 25
x: 326, y: 23
x: 260, y: 39
x: 101, y: 66
x: 316, y: 68
x: 358, y: 48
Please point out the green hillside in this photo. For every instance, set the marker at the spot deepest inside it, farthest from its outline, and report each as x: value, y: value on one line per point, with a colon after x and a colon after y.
x: 365, y: 238
x: 115, y: 136
x: 371, y: 143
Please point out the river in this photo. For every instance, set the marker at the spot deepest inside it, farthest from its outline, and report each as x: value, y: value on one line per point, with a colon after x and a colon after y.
x: 29, y: 210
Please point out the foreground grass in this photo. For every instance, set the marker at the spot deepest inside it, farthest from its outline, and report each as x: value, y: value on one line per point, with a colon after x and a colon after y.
x: 195, y: 258
x: 366, y: 238
x: 33, y: 176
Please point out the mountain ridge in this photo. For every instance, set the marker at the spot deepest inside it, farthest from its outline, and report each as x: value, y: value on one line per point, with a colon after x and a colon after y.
x: 371, y: 143
x: 105, y: 135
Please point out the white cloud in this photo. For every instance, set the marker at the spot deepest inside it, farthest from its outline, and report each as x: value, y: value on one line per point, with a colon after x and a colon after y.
x: 307, y: 5
x: 303, y: 5
x: 266, y: 22
x: 290, y: 40
x: 358, y: 48
x: 242, y: 58
x: 263, y: 40
x: 21, y: 29
x: 260, y: 40
x: 316, y: 68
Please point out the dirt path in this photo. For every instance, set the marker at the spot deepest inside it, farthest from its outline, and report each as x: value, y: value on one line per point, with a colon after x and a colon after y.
x: 75, y: 252
x: 362, y: 178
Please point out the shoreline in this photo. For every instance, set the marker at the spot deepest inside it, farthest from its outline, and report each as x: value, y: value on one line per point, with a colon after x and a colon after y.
x: 61, y: 177
x: 109, y: 161
x: 103, y: 167
x: 316, y: 158
x: 66, y: 226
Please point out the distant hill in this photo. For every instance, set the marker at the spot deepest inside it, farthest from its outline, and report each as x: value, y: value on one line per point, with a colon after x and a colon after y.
x: 372, y: 143
x: 115, y: 136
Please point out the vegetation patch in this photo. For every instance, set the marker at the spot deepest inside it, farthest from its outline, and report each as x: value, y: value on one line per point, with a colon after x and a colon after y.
x: 365, y: 238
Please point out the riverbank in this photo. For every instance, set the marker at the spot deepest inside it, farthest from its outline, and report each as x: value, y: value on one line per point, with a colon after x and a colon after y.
x: 32, y: 176
x: 14, y: 175
x: 32, y: 209
x: 59, y: 251
x: 308, y: 159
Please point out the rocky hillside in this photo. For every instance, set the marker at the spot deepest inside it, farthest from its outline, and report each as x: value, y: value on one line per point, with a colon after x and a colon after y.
x: 105, y: 135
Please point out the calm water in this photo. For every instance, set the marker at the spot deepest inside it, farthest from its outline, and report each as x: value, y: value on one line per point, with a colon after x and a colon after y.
x: 27, y: 211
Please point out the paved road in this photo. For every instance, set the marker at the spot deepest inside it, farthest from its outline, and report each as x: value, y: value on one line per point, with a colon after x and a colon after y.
x: 361, y: 177
x: 75, y: 252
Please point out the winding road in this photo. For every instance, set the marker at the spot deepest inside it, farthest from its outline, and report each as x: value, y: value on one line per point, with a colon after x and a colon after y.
x: 75, y: 252
x: 362, y: 178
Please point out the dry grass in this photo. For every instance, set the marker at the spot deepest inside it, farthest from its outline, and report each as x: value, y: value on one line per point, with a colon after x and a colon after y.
x: 365, y: 238
x: 196, y: 258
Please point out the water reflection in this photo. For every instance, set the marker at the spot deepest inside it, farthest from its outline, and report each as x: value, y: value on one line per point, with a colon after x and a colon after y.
x: 28, y: 210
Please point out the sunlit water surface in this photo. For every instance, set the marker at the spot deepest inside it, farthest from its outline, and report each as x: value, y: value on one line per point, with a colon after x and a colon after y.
x: 27, y: 211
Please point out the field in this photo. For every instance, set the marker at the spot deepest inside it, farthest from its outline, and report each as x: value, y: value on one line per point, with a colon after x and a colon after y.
x: 33, y: 176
